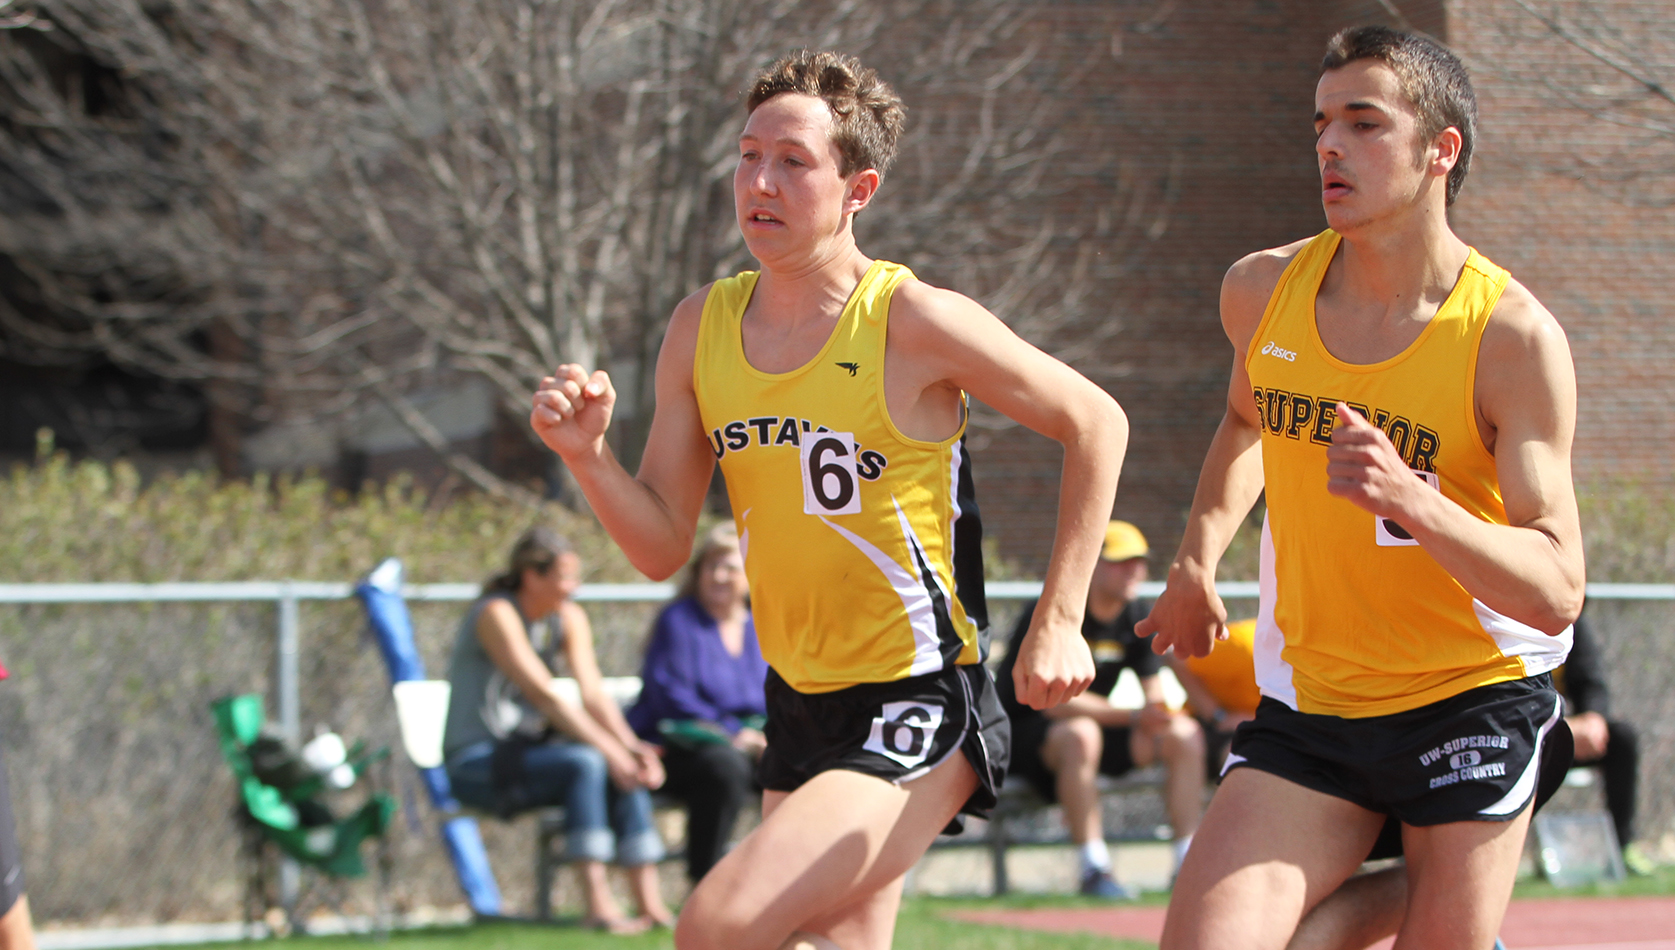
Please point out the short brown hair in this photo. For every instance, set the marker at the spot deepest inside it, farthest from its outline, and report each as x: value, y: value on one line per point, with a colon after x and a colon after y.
x: 1432, y: 77
x: 867, y: 112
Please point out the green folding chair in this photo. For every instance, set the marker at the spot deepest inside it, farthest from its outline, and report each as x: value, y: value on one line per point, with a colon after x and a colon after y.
x: 281, y: 808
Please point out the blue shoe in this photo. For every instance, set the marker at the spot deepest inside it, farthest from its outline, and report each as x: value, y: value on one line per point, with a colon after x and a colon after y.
x: 1499, y: 945
x: 1097, y: 883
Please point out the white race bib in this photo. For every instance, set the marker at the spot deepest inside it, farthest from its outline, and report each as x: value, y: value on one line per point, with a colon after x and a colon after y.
x: 903, y: 731
x: 1388, y: 533
x: 830, y: 484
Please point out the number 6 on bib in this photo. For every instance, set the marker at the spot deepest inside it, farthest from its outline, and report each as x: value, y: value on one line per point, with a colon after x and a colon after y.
x: 830, y: 486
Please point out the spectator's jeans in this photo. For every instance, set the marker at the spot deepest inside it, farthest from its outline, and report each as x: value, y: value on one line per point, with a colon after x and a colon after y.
x: 572, y: 775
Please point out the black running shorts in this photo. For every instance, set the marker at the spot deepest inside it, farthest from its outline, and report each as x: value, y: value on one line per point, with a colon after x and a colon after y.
x: 11, y: 862
x: 1482, y: 755
x: 896, y: 731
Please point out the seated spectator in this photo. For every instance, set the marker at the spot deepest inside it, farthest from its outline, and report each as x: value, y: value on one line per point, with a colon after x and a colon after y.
x: 1602, y: 739
x: 512, y: 743
x: 702, y: 697
x: 1062, y: 751
x: 1221, y: 688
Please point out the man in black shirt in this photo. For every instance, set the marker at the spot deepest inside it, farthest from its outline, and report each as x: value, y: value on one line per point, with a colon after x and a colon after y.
x: 1602, y: 739
x: 1062, y: 750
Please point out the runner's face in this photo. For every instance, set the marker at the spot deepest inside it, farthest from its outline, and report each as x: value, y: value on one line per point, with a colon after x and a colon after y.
x: 787, y: 193
x: 1367, y: 144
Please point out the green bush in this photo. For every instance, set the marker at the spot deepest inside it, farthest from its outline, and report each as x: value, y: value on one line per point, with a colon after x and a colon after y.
x: 1629, y: 531
x: 92, y: 521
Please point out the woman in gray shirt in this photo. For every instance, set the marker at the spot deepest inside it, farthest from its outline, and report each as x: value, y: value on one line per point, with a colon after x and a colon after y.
x: 512, y: 743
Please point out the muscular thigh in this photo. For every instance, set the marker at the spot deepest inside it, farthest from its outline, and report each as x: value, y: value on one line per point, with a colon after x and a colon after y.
x: 1267, y: 851
x: 1460, y: 878
x: 824, y: 851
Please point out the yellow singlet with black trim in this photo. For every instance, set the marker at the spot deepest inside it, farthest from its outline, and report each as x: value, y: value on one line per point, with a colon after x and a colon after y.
x: 862, y: 546
x: 1356, y: 618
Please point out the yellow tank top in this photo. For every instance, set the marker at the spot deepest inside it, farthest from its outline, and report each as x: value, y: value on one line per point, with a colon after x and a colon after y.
x: 1356, y: 619
x: 862, y: 546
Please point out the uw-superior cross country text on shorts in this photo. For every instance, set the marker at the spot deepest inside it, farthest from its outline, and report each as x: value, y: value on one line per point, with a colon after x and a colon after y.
x: 1476, y: 756
x: 896, y: 731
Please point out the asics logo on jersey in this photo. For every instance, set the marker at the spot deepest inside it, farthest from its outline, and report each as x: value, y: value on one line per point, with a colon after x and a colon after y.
x: 851, y: 367
x: 1269, y: 349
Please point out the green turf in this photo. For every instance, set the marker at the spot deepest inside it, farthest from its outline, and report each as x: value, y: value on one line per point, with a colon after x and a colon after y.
x: 923, y: 923
x: 1660, y: 883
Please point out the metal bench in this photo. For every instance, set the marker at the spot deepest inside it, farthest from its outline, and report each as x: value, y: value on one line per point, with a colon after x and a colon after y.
x: 422, y: 714
x: 1020, y: 818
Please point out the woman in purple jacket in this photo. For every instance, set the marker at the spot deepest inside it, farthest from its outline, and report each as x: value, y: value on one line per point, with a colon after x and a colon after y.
x: 702, y: 697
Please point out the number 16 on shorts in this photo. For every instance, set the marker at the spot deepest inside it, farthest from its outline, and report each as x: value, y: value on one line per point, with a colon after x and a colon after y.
x: 830, y: 485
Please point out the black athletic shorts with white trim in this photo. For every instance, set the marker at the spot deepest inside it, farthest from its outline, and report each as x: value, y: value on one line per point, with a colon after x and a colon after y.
x: 1482, y: 755
x: 11, y: 862
x: 897, y: 731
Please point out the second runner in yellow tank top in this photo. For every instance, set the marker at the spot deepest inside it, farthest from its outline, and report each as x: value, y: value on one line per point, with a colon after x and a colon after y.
x: 1357, y: 619
x: 862, y: 545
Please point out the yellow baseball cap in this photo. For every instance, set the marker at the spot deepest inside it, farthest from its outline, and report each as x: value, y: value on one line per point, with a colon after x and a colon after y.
x: 1122, y: 542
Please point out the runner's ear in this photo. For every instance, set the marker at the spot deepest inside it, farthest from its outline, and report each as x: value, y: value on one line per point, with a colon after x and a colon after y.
x: 862, y: 186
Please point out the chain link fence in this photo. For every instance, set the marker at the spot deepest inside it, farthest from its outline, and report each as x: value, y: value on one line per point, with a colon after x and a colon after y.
x: 125, y: 809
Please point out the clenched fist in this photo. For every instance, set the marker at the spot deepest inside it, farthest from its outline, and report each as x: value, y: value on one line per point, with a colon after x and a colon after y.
x: 572, y: 410
x: 1054, y: 665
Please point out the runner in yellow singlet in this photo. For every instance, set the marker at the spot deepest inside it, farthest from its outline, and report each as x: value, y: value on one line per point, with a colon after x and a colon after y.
x: 1409, y: 410
x: 832, y: 390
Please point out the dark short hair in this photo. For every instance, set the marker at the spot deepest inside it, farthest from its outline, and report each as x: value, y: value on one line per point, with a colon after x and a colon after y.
x: 539, y: 548
x: 867, y: 112
x: 1433, y: 79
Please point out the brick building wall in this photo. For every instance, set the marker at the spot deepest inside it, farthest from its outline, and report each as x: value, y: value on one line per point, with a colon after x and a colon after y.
x: 1579, y: 208
x: 1212, y: 101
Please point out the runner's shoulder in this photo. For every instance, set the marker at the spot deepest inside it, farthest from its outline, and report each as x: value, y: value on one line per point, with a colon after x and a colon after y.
x: 680, y: 339
x: 1259, y: 272
x: 690, y: 310
x: 915, y: 298
x: 1519, y: 313
x: 924, y: 315
x: 1522, y: 335
x: 1249, y: 284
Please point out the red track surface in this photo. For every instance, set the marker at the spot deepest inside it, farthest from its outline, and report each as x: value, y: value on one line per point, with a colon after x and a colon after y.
x: 1606, y: 923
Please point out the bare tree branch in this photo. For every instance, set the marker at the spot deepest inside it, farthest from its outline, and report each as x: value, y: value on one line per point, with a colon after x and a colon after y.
x: 368, y: 197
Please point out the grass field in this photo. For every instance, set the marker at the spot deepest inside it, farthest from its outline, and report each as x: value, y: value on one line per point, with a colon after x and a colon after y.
x: 922, y: 924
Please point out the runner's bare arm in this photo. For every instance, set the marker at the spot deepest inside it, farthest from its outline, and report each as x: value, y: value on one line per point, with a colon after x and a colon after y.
x: 950, y: 339
x: 506, y: 641
x: 1189, y: 617
x: 1530, y: 569
x: 653, y: 516
x: 584, y: 668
